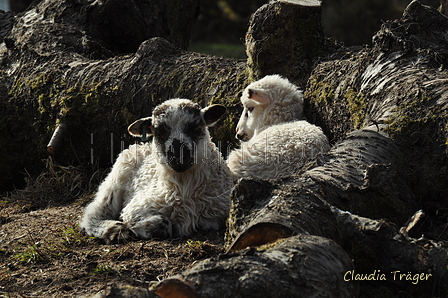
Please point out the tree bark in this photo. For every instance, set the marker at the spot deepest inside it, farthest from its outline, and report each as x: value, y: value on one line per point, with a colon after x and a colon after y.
x: 397, y: 87
x: 264, y: 212
x: 378, y: 245
x: 286, y: 37
x: 300, y: 266
x: 366, y: 174
x: 54, y: 72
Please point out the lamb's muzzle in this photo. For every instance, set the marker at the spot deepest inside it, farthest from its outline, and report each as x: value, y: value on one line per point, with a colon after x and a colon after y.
x: 179, y: 157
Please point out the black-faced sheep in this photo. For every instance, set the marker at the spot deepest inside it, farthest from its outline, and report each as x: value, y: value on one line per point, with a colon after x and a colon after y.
x: 172, y: 186
x: 276, y: 142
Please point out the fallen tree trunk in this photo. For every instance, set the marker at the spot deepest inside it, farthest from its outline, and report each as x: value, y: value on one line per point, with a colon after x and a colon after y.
x: 378, y: 248
x: 398, y: 87
x: 262, y: 213
x: 300, y: 266
x: 54, y: 72
x: 364, y: 174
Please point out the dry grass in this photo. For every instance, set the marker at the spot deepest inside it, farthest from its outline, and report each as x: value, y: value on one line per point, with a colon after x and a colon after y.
x: 44, y: 254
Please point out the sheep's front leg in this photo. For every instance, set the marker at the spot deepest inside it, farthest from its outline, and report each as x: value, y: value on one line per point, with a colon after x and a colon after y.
x: 116, y: 232
x: 153, y: 226
x: 147, y: 218
x: 101, y: 216
x: 100, y: 221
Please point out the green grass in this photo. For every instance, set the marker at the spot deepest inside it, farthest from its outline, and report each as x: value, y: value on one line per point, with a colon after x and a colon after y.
x: 30, y: 255
x: 102, y: 269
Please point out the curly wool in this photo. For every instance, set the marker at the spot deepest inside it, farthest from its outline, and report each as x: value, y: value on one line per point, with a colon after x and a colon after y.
x: 278, y: 151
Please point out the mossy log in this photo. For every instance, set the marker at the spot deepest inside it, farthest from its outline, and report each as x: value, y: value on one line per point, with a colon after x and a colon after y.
x: 54, y: 71
x: 300, y: 266
x: 397, y: 86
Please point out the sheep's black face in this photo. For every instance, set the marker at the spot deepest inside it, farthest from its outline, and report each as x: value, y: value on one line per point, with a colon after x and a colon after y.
x: 179, y: 157
x: 178, y: 131
x: 179, y: 127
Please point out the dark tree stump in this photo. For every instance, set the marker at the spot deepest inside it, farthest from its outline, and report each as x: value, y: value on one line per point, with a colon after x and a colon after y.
x: 286, y: 37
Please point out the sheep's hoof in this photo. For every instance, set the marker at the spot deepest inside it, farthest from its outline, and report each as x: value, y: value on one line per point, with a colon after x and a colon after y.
x: 118, y: 233
x: 163, y: 230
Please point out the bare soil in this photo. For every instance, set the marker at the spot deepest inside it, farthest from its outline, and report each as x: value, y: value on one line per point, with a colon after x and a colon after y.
x: 44, y: 254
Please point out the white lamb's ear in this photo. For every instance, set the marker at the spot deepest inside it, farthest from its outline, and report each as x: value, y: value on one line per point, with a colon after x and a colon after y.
x: 141, y: 128
x: 211, y: 114
x: 259, y: 96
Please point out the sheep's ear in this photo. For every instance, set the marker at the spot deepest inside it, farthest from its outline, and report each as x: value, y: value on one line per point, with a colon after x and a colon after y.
x: 141, y: 128
x: 211, y: 114
x: 259, y: 96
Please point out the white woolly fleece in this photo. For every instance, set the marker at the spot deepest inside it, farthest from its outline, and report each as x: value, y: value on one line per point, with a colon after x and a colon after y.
x: 144, y: 196
x: 281, y: 101
x: 278, y: 151
x: 278, y: 144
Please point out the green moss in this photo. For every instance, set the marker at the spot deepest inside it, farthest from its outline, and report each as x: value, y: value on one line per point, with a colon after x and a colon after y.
x: 446, y: 133
x: 41, y: 80
x: 320, y: 92
x: 50, y: 99
x: 271, y: 245
x: 357, y: 107
x: 413, y: 114
x: 102, y: 269
x: 55, y: 99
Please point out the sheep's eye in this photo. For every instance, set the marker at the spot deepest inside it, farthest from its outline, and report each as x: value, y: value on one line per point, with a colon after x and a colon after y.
x: 249, y: 110
x: 162, y: 131
x: 194, y: 130
x: 198, y: 131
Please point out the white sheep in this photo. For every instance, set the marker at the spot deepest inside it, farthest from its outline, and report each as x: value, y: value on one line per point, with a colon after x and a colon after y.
x: 276, y: 142
x: 172, y: 186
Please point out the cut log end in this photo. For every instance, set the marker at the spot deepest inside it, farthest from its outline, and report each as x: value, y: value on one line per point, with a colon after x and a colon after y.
x: 56, y: 138
x: 174, y: 288
x: 260, y: 234
x: 292, y: 27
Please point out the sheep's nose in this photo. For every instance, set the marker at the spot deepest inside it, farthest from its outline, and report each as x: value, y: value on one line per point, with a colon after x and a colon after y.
x: 179, y: 156
x: 239, y: 136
